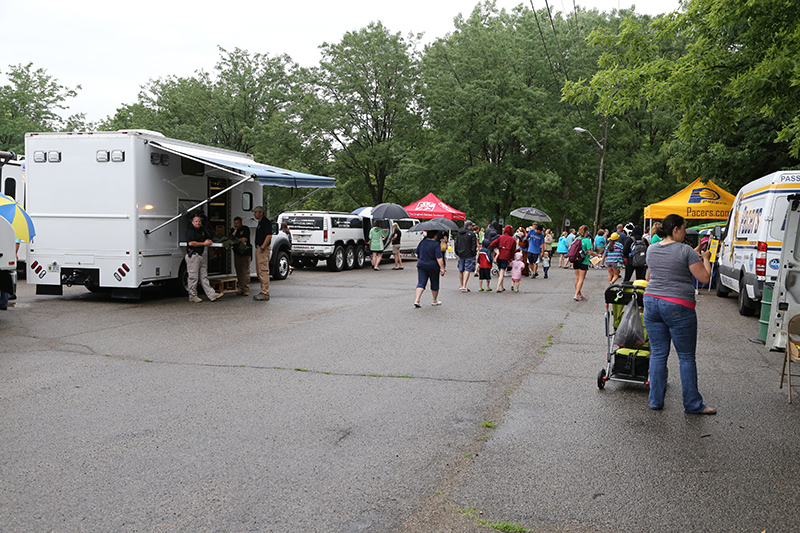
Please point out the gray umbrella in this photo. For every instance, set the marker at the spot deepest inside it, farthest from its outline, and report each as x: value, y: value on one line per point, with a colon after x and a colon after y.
x: 387, y: 210
x: 439, y: 224
x: 531, y: 213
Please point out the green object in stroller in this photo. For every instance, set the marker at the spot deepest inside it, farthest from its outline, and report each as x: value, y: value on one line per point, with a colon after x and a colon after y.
x: 630, y: 365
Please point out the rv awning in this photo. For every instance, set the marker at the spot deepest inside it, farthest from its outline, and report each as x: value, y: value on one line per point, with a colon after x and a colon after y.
x: 242, y: 166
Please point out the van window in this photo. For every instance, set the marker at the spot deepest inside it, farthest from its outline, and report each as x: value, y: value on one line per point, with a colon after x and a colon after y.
x: 10, y: 188
x: 247, y: 201
x: 779, y: 214
x: 346, y: 222
x: 310, y: 223
x: 406, y: 224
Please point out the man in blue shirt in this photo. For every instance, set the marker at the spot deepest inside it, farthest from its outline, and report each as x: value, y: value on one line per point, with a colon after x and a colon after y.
x: 535, y: 240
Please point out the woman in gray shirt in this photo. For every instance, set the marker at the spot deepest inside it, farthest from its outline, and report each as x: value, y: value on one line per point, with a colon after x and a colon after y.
x: 669, y: 313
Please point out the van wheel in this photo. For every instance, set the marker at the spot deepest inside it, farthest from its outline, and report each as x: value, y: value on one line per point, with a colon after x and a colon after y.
x: 280, y: 270
x: 747, y: 307
x: 722, y: 290
x: 360, y: 256
x: 349, y: 257
x: 336, y: 260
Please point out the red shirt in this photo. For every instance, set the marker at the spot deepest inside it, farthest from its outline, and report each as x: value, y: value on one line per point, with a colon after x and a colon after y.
x: 507, y: 246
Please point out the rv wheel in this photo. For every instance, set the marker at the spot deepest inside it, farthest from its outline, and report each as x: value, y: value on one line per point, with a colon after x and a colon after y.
x: 181, y: 285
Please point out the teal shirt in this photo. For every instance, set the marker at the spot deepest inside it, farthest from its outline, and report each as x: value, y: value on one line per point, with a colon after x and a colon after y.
x: 586, y: 245
x: 376, y: 236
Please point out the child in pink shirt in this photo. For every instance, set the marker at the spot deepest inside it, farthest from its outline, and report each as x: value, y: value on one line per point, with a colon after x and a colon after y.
x: 516, y: 271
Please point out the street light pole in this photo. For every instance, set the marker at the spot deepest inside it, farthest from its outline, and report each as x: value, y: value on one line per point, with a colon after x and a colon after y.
x: 602, y: 144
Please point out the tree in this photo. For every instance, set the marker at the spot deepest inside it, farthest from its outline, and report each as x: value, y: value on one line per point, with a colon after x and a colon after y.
x: 362, y: 101
x: 31, y: 101
x: 726, y: 69
x: 499, y: 136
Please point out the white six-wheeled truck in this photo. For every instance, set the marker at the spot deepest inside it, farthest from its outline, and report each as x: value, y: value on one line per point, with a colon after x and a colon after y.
x: 111, y: 208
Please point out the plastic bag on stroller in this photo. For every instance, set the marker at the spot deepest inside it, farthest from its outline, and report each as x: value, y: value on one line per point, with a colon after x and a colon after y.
x: 630, y: 332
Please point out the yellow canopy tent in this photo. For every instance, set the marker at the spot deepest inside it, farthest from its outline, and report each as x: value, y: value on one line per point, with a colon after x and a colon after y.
x: 697, y: 201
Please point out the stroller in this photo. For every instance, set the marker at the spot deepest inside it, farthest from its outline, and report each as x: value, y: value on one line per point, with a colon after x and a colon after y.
x: 631, y: 365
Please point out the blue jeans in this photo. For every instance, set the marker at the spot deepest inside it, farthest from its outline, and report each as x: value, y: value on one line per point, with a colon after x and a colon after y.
x: 4, y: 300
x: 665, y: 322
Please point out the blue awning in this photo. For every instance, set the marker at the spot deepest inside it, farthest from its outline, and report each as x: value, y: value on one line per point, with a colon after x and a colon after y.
x: 240, y: 165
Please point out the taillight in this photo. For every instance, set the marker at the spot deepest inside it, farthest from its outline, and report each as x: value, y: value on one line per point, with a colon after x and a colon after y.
x: 325, y: 235
x: 761, y: 259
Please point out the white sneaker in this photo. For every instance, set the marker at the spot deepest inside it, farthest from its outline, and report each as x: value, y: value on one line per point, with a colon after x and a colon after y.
x: 437, y: 302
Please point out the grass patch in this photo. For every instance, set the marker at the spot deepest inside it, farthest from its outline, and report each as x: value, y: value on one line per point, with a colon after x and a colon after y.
x: 148, y: 360
x: 561, y: 325
x: 300, y: 370
x: 505, y: 526
x: 488, y: 424
x: 469, y: 511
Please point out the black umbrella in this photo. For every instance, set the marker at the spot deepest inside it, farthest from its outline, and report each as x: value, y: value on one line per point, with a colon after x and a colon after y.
x: 387, y: 210
x: 438, y: 224
x: 531, y: 213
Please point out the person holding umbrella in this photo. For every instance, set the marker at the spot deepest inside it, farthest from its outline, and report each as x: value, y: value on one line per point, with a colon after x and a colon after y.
x: 430, y: 266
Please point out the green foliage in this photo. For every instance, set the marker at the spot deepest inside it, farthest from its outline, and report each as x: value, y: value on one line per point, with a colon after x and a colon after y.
x: 361, y: 101
x: 30, y: 102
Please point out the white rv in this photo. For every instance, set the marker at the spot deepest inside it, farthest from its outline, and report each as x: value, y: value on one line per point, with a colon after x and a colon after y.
x: 12, y: 184
x: 750, y: 246
x: 110, y: 208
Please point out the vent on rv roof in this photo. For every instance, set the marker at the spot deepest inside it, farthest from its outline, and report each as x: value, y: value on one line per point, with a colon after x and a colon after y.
x: 117, y: 156
x: 54, y: 156
x: 39, y: 157
x: 102, y: 156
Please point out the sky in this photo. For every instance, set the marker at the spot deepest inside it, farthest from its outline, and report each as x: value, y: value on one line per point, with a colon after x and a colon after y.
x: 111, y: 48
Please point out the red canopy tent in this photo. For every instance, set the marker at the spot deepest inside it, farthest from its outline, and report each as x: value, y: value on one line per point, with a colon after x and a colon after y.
x: 432, y: 207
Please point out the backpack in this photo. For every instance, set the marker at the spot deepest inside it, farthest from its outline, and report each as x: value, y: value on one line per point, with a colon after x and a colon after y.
x: 639, y: 253
x: 576, y: 253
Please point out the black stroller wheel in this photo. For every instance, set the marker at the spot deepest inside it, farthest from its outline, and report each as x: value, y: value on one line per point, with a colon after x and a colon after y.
x: 601, y: 382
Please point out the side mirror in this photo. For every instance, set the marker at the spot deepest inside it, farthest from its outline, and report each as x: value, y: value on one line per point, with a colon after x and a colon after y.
x: 274, y: 228
x: 717, y: 232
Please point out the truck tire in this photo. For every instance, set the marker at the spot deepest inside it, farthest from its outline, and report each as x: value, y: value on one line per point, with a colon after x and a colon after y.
x: 747, y: 307
x: 299, y: 262
x: 280, y: 268
x: 361, y: 256
x: 336, y: 260
x: 349, y: 257
x: 722, y: 290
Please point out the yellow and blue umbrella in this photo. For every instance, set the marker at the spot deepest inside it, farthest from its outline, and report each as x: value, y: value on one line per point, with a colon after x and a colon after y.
x: 19, y: 219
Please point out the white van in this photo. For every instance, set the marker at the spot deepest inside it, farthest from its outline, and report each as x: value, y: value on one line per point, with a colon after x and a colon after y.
x: 750, y: 245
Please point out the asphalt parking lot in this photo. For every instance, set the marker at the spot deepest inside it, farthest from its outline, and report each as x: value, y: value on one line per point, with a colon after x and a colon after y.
x: 338, y: 406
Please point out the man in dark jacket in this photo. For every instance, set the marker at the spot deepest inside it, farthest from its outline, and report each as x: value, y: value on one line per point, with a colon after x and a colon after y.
x: 466, y: 250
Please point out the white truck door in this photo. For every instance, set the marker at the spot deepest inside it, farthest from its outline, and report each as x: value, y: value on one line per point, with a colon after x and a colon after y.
x: 786, y: 294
